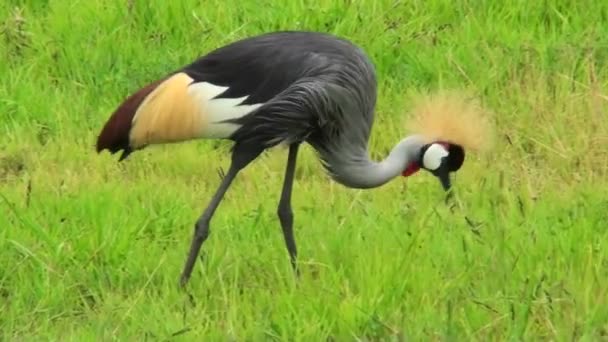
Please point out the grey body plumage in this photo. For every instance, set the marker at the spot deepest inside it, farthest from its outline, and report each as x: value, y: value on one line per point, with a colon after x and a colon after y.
x: 328, y: 102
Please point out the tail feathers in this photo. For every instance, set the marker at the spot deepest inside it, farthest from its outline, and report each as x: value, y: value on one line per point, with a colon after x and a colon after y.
x: 115, y: 134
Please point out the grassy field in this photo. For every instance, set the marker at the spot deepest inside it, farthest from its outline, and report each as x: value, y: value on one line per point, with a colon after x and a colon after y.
x: 91, y: 249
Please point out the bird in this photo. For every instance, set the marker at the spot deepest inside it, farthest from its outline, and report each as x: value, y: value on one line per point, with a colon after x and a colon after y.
x: 282, y: 88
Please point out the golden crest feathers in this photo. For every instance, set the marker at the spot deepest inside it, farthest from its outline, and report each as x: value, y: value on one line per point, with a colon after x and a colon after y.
x: 453, y: 117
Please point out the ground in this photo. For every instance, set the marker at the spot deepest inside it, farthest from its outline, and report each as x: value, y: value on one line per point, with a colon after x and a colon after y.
x: 92, y: 249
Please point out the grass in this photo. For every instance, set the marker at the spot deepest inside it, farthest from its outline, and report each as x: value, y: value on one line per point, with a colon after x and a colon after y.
x: 92, y: 249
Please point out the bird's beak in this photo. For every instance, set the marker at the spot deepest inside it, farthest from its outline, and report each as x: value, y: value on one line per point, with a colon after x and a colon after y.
x: 444, y: 178
x: 446, y: 183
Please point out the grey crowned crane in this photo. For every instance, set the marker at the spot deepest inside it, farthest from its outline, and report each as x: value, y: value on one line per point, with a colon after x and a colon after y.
x: 283, y: 88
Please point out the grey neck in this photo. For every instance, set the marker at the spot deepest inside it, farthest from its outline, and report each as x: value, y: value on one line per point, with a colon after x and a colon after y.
x: 365, y: 173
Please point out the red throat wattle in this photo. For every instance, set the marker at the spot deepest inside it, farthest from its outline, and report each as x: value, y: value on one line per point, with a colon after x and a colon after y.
x: 411, y: 169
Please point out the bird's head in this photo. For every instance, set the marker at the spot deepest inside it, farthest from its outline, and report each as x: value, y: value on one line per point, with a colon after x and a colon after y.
x: 449, y: 123
x: 440, y: 159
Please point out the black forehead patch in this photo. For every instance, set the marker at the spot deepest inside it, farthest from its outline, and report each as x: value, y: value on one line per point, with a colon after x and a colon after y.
x: 455, y: 157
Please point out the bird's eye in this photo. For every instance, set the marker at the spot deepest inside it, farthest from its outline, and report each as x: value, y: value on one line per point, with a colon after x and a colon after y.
x: 433, y: 157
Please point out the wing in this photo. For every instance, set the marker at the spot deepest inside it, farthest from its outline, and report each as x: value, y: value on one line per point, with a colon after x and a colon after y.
x: 263, y: 66
x: 278, y: 86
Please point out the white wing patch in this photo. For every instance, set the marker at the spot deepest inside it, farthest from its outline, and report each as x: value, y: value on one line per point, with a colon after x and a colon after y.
x: 432, y: 157
x: 217, y: 110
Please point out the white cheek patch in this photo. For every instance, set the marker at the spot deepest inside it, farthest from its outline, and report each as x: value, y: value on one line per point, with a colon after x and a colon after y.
x: 433, y: 155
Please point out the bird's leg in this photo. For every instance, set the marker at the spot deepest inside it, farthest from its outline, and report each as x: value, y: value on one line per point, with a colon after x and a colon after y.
x: 240, y: 158
x: 284, y: 210
x: 201, y: 229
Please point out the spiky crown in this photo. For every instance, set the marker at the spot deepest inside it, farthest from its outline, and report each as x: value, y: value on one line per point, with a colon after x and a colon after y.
x: 452, y: 117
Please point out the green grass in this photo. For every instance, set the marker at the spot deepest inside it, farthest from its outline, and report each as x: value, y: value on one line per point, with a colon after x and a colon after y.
x: 92, y: 250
